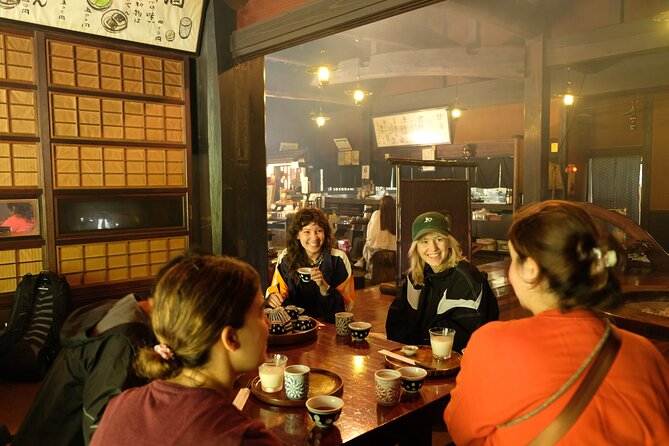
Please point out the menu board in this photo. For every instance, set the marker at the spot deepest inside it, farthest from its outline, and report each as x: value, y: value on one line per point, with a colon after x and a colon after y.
x: 173, y: 24
x: 423, y: 127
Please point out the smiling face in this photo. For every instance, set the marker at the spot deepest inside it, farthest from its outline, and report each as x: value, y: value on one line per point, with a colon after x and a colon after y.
x: 311, y: 238
x: 433, y: 248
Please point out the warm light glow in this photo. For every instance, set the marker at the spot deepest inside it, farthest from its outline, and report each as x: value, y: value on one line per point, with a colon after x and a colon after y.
x: 320, y: 119
x: 358, y: 96
x: 323, y: 75
x: 456, y: 112
x: 568, y: 99
x: 571, y: 168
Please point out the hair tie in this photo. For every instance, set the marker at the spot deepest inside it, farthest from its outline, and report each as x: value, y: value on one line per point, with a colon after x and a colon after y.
x: 164, y: 351
x: 609, y: 259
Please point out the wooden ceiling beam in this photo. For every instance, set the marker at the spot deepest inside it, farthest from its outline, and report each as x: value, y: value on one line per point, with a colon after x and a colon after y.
x: 617, y: 41
x: 519, y: 17
x: 488, y: 62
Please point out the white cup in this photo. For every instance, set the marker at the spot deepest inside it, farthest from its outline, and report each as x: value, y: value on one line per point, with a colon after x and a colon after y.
x: 441, y: 340
x: 271, y: 373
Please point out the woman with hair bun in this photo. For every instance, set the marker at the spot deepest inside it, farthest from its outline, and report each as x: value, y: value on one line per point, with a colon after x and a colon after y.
x: 517, y: 376
x: 209, y: 322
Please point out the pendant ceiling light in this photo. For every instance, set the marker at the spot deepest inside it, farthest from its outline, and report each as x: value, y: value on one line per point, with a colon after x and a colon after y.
x: 359, y: 94
x: 568, y: 97
x: 322, y: 71
x: 320, y: 119
x: 456, y: 111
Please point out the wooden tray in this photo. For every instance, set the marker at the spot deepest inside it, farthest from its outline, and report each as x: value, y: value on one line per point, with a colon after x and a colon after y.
x: 444, y: 367
x: 294, y: 337
x: 321, y: 382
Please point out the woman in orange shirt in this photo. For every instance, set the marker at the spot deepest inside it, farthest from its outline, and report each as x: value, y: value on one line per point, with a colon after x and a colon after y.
x: 512, y: 381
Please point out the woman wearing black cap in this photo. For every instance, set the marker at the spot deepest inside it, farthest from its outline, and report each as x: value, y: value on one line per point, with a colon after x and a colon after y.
x: 442, y: 288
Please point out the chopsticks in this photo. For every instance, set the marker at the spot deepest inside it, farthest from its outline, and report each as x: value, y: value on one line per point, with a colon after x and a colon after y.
x: 407, y: 360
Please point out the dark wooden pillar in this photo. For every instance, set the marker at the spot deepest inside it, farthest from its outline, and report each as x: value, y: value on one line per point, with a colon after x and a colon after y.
x: 537, y: 113
x: 229, y: 148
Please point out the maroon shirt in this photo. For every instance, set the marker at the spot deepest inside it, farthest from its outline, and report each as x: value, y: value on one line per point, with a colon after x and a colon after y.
x: 163, y: 413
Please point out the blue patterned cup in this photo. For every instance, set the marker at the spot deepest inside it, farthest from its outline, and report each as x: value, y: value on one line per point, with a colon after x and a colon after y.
x: 296, y: 382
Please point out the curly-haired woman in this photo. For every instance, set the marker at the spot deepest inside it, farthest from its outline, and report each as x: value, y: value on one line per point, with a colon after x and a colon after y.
x: 329, y: 289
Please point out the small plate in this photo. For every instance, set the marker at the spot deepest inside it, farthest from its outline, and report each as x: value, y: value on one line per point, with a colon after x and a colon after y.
x: 442, y: 367
x: 294, y: 337
x: 321, y: 382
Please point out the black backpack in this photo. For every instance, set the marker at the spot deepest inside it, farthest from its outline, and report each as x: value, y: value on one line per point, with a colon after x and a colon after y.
x: 31, y: 340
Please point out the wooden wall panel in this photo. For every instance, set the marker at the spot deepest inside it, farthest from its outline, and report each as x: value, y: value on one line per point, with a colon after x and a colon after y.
x: 17, y: 58
x: 94, y: 167
x: 88, y: 67
x: 15, y: 263
x: 91, y: 263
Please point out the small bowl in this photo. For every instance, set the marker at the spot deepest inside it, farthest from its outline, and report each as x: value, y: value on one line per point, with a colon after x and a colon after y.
x: 409, y: 350
x: 359, y: 330
x: 412, y: 378
x: 324, y: 410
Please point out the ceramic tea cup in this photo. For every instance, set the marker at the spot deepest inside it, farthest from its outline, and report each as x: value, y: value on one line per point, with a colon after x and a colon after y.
x: 304, y: 273
x: 388, y: 387
x: 294, y: 312
x: 342, y: 320
x: 296, y: 381
x: 324, y: 409
x: 412, y: 378
x: 359, y: 330
x: 303, y: 323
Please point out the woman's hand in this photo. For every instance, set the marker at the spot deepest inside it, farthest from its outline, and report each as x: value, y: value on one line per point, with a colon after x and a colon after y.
x: 317, y: 277
x: 275, y: 300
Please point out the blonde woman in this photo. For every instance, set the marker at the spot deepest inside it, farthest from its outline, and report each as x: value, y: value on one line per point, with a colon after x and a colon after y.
x: 442, y: 288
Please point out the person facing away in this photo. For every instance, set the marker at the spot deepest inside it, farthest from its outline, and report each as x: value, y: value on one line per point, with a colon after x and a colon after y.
x: 516, y: 376
x: 442, y: 288
x: 380, y: 231
x: 209, y: 323
x: 310, y: 244
x: 95, y: 364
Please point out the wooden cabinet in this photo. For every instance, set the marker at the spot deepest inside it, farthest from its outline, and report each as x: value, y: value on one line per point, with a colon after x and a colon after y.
x: 99, y: 135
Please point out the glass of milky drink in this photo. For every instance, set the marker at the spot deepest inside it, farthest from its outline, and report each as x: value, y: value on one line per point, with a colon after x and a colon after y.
x: 441, y: 340
x: 271, y: 373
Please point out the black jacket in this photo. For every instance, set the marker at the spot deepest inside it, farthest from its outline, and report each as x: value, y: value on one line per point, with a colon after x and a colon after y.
x: 458, y: 298
x: 87, y: 373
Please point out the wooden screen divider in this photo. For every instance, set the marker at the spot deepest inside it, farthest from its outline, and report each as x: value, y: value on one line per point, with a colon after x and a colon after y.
x: 101, y: 116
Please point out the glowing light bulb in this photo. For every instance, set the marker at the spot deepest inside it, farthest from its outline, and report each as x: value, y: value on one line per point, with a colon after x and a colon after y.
x: 568, y: 99
x: 323, y: 75
x: 456, y: 112
x: 358, y: 96
x: 320, y: 121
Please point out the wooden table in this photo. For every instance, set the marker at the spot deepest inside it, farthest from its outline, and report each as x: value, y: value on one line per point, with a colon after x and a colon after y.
x: 362, y: 421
